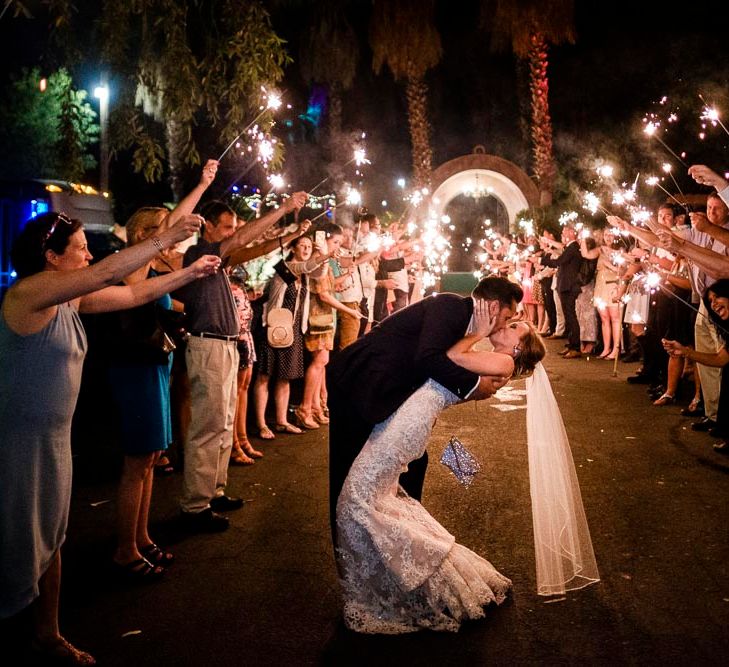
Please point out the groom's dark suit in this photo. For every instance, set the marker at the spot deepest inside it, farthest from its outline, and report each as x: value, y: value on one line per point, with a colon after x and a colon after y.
x: 373, y: 377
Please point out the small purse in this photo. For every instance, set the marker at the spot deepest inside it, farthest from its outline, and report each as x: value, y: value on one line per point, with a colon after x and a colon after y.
x: 460, y: 461
x: 280, y: 327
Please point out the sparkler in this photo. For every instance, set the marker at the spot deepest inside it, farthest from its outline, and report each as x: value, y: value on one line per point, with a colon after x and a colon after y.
x: 711, y: 114
x: 354, y: 198
x: 654, y: 180
x: 651, y: 130
x: 359, y: 158
x: 668, y: 169
x: 273, y: 102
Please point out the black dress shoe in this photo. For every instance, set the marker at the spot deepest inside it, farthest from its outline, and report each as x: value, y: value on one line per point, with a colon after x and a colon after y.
x: 718, y: 432
x: 206, y: 521
x: 640, y: 378
x: 629, y: 358
x: 226, y: 504
x: 703, y: 425
x: 722, y: 447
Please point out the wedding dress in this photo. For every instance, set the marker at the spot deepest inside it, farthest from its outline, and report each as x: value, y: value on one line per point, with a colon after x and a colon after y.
x: 400, y: 570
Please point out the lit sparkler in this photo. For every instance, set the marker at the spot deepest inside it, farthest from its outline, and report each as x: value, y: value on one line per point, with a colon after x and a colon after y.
x: 655, y: 181
x: 651, y: 129
x: 711, y: 114
x: 273, y: 102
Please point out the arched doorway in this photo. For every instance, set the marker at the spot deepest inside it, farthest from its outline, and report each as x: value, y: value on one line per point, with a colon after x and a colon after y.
x: 484, y: 174
x: 476, y: 192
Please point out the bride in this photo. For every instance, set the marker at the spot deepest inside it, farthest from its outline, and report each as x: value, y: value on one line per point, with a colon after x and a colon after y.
x: 400, y: 570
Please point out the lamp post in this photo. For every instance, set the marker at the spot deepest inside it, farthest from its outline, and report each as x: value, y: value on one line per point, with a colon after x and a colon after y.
x: 102, y: 94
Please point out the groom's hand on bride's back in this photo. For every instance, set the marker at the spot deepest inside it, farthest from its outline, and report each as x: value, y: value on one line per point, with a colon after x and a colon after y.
x: 488, y: 386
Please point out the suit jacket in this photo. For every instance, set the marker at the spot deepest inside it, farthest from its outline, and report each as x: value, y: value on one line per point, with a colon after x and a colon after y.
x: 378, y: 372
x: 568, y: 264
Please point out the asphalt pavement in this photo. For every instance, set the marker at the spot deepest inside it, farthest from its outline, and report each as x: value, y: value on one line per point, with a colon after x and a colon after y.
x: 265, y: 592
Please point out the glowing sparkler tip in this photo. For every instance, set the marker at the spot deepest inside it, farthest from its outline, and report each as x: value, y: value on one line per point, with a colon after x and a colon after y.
x: 276, y: 181
x: 650, y: 128
x: 651, y: 180
x: 360, y: 157
x: 666, y: 166
x: 274, y: 101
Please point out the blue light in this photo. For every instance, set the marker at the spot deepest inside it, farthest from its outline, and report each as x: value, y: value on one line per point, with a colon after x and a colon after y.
x: 13, y: 275
x: 235, y: 188
x: 38, y: 207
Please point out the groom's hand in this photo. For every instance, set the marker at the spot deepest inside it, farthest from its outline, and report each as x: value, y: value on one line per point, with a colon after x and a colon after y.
x: 488, y: 386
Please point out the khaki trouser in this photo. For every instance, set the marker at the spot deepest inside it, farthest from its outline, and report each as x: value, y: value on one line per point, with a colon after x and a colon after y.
x: 348, y: 326
x: 707, y: 340
x: 212, y: 366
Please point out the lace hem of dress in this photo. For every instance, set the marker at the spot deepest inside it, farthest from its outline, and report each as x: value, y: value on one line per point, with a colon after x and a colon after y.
x: 457, y: 591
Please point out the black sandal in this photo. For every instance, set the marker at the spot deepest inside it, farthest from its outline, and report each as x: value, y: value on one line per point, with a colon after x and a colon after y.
x: 139, y: 571
x: 164, y: 469
x: 157, y: 556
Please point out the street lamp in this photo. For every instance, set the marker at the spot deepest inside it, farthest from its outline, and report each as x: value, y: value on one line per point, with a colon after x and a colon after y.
x: 102, y: 94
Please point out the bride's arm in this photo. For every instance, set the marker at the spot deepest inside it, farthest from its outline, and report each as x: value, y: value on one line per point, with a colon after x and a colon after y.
x: 480, y: 361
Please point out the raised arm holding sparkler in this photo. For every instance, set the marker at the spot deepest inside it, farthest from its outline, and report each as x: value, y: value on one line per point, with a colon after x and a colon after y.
x: 253, y: 230
x: 241, y: 255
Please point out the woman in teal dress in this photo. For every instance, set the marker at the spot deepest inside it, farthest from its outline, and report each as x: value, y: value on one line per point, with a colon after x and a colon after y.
x: 42, y: 347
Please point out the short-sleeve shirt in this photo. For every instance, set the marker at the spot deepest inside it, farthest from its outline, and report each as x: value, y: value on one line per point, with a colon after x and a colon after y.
x: 699, y: 279
x: 208, y: 301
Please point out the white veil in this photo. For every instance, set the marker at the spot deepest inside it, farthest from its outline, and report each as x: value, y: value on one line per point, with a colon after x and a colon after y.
x: 562, y: 545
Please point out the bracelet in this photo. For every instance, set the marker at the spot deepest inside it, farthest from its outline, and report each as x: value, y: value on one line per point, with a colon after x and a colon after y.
x: 157, y: 243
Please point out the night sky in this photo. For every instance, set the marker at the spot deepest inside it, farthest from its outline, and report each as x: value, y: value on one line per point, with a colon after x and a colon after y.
x: 626, y: 57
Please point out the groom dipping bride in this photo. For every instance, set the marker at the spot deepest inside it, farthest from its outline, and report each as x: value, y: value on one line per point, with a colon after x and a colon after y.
x: 400, y: 569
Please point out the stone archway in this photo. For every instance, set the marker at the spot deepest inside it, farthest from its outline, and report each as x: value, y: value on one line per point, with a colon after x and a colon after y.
x: 498, y: 177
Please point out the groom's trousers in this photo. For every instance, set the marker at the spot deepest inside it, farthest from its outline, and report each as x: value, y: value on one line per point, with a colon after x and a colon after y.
x: 348, y: 433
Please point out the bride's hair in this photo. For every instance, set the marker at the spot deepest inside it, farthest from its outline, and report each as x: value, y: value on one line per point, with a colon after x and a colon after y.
x: 533, y: 351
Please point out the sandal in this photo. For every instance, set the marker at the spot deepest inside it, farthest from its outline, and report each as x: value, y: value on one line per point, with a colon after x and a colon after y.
x: 307, y: 421
x: 320, y: 417
x: 248, y: 449
x: 139, y: 571
x: 665, y: 399
x: 289, y: 428
x: 239, y: 458
x: 61, y: 652
x: 157, y: 556
x: 265, y: 433
x: 163, y: 467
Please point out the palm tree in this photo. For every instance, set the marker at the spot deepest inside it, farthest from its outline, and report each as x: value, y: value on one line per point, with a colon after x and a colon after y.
x: 404, y: 37
x: 329, y: 56
x: 531, y: 26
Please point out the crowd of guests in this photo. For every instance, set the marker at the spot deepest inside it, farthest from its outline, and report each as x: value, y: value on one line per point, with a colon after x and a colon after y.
x: 186, y: 336
x: 654, y: 291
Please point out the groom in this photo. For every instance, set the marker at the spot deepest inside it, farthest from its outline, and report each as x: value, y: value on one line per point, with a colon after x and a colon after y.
x: 373, y: 377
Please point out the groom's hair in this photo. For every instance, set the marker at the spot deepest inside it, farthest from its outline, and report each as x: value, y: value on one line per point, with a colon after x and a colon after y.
x: 501, y: 289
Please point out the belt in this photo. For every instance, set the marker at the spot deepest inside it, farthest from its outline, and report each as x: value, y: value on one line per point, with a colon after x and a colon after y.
x: 204, y: 334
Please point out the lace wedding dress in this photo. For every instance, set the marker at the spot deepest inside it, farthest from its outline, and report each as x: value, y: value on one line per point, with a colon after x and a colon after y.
x: 400, y: 570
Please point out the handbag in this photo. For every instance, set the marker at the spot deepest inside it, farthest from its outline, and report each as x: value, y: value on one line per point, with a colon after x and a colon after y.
x: 173, y: 322
x: 460, y: 461
x: 280, y: 327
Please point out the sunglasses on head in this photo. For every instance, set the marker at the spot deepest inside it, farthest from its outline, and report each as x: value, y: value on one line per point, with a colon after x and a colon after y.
x: 61, y: 217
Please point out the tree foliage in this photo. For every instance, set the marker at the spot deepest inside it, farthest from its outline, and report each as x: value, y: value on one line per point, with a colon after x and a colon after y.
x: 46, y: 134
x: 187, y: 62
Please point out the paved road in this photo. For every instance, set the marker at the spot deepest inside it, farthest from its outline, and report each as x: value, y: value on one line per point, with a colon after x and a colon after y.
x: 265, y: 592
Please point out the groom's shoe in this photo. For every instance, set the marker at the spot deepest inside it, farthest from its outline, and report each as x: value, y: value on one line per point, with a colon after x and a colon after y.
x: 573, y: 354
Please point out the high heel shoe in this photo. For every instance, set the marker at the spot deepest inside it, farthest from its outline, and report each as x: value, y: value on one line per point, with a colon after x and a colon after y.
x: 305, y: 420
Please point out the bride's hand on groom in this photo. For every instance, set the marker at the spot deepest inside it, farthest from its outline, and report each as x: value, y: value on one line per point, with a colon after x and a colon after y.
x: 488, y: 386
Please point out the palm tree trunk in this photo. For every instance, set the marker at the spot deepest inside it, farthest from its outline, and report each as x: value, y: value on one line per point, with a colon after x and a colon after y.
x: 417, y: 97
x: 541, y: 122
x: 335, y: 137
x: 175, y: 136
